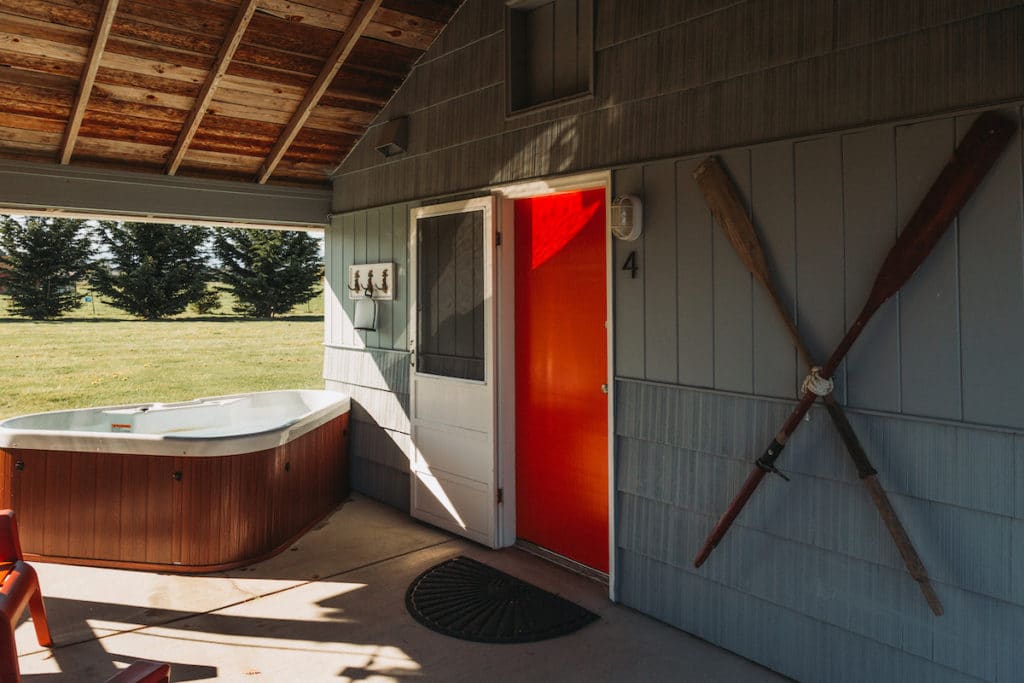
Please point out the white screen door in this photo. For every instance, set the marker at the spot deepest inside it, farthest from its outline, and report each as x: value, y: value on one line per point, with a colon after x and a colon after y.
x: 452, y: 392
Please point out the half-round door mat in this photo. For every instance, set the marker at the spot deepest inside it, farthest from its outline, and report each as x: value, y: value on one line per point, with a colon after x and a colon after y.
x: 465, y: 599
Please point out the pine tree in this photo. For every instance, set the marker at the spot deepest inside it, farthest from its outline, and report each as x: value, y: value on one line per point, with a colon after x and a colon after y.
x: 151, y: 270
x: 45, y: 259
x: 268, y: 271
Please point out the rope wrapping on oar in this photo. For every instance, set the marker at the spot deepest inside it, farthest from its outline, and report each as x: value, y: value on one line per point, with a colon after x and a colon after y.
x: 816, y: 384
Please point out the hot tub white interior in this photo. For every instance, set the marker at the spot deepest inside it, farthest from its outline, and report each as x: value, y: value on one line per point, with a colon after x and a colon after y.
x: 227, y: 424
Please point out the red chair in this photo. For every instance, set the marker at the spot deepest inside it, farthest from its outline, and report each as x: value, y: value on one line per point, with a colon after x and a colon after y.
x: 143, y: 672
x: 19, y: 588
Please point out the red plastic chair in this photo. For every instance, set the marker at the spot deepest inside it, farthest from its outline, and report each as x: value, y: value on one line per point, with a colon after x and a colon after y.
x: 143, y: 672
x: 19, y: 588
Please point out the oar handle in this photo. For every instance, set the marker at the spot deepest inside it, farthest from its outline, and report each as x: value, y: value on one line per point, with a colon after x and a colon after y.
x: 716, y: 535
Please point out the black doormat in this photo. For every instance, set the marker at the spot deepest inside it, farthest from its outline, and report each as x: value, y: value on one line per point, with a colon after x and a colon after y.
x: 465, y: 599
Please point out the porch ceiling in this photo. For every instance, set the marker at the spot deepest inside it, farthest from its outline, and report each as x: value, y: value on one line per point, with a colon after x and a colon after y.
x: 255, y: 90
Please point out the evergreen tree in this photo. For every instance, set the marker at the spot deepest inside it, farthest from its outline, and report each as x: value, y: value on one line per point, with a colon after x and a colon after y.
x: 268, y: 271
x: 45, y: 258
x: 151, y: 270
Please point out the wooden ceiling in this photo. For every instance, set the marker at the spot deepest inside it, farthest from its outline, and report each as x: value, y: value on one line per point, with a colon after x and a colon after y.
x: 258, y: 90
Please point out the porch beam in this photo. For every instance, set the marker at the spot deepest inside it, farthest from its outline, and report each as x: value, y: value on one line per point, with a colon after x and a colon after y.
x: 92, y: 65
x: 334, y: 62
x: 69, y: 190
x: 217, y: 71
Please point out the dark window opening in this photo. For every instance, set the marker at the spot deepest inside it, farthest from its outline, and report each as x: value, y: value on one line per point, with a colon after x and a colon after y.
x: 550, y: 51
x: 450, y: 305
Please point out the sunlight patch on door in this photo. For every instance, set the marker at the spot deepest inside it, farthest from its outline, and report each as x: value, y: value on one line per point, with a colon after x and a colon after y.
x: 564, y: 218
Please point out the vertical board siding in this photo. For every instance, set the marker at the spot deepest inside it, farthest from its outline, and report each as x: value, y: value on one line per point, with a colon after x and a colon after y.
x: 373, y: 368
x: 629, y: 291
x: 733, y: 292
x: 375, y: 235
x: 869, y: 217
x: 694, y: 268
x: 372, y: 255
x: 811, y: 560
x: 660, y: 323
x: 929, y: 306
x: 991, y: 280
x: 772, y: 206
x: 819, y: 247
x: 345, y: 333
x: 827, y: 211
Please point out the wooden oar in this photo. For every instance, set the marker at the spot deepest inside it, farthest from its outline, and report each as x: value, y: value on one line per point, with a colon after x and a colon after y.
x: 723, y: 199
x: 974, y: 156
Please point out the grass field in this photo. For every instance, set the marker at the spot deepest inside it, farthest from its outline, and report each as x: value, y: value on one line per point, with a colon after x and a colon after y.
x: 82, y: 360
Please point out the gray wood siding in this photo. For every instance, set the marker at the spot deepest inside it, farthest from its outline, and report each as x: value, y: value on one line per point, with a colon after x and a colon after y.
x: 991, y: 278
x: 870, y: 221
x: 929, y: 309
x: 372, y: 367
x: 694, y: 269
x: 775, y: 359
x: 672, y: 78
x: 819, y: 248
x: 706, y: 376
x: 935, y: 391
x: 820, y: 564
x: 827, y: 209
x: 808, y: 582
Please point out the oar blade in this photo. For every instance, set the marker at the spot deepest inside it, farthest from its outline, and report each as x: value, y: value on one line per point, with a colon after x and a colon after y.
x: 979, y: 150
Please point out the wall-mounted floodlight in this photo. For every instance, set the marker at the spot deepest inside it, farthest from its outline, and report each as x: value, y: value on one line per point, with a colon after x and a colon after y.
x: 393, y: 138
x: 627, y: 217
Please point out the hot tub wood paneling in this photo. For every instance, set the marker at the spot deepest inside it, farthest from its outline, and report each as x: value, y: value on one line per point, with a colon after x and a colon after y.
x: 174, y: 513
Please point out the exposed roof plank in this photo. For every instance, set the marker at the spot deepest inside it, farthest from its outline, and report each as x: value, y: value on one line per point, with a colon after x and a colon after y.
x: 220, y: 67
x: 323, y: 81
x: 387, y: 25
x: 273, y: 100
x: 92, y: 65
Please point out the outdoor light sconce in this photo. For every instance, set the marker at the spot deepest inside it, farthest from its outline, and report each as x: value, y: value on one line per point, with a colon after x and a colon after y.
x: 393, y: 138
x: 369, y: 283
x: 627, y: 217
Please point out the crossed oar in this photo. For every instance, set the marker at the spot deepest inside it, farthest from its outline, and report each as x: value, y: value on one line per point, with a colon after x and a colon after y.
x: 976, y: 154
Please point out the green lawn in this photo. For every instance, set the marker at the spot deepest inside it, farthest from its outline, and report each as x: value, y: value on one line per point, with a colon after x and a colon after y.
x: 82, y: 361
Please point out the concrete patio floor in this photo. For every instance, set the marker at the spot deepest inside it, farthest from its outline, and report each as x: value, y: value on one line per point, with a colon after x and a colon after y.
x: 332, y: 608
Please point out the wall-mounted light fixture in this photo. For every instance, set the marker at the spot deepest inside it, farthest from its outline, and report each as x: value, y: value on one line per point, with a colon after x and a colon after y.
x: 627, y: 217
x: 393, y: 138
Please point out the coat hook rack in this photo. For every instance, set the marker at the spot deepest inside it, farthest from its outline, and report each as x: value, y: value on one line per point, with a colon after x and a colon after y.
x: 384, y: 291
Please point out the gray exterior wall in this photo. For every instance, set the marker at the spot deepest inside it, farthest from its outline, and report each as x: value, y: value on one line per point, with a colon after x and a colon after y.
x: 373, y: 367
x: 808, y: 581
x: 675, y: 77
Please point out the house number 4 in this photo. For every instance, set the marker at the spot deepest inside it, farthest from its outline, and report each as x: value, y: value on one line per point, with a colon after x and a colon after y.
x: 631, y: 265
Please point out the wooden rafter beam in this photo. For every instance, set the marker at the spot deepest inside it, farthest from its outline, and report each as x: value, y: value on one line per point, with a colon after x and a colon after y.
x: 92, y: 65
x: 338, y: 56
x: 205, y: 96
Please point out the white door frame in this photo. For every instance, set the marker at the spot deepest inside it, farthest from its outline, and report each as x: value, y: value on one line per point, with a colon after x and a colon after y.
x: 505, y: 266
x: 457, y: 481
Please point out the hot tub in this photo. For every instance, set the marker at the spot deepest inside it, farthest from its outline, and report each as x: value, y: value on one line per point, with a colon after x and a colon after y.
x: 195, y: 486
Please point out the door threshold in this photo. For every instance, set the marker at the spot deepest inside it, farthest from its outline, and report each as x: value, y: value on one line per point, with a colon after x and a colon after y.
x: 562, y: 561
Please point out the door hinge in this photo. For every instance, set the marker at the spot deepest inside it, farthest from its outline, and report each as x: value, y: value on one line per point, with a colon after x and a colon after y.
x: 497, y: 239
x: 501, y: 495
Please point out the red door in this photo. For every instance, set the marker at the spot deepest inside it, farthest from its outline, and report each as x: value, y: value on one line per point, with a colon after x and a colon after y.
x: 561, y: 369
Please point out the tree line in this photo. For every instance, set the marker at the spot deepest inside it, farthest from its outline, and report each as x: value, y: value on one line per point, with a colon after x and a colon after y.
x: 153, y: 271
